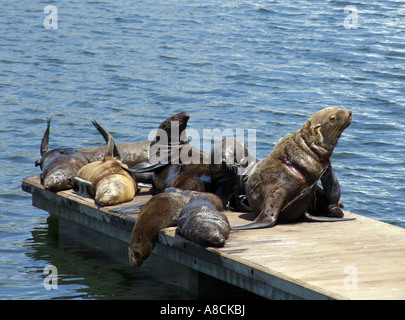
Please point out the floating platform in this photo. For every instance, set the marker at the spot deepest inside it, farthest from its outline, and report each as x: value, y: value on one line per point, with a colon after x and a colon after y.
x: 360, y: 259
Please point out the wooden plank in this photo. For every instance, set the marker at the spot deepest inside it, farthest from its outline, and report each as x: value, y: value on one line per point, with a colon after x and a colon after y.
x: 361, y: 259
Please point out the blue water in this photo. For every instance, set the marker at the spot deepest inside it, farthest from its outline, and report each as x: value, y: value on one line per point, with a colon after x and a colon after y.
x: 230, y: 64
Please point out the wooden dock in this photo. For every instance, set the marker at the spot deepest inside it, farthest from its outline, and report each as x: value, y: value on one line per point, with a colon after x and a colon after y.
x: 361, y: 259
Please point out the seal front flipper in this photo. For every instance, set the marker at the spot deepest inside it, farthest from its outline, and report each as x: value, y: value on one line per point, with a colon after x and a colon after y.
x: 267, y: 217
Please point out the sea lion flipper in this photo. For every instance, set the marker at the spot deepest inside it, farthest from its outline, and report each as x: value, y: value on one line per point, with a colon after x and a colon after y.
x: 331, y: 185
x: 147, y: 166
x: 45, y: 138
x: 107, y: 137
x: 267, y: 217
x: 310, y: 218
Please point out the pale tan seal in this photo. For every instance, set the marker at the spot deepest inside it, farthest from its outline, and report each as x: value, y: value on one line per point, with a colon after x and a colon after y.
x: 283, y: 185
x: 110, y: 184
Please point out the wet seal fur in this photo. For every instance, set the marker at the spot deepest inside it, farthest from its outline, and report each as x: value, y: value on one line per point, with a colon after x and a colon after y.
x: 201, y: 222
x: 283, y: 186
x: 161, y: 211
x: 110, y: 184
x: 59, y: 166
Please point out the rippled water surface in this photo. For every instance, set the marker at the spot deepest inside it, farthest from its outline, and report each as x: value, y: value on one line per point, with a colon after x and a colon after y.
x: 264, y: 65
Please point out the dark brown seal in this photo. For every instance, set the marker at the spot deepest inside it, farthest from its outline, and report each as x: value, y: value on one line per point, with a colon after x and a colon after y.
x: 283, y: 185
x: 59, y: 166
x: 160, y: 212
x: 230, y: 166
x: 173, y: 162
x: 110, y: 184
x: 201, y: 222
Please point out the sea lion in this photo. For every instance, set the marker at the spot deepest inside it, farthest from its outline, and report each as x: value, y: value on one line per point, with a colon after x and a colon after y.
x: 160, y: 212
x: 202, y: 223
x: 59, y: 166
x: 230, y: 166
x: 110, y: 184
x: 172, y: 131
x: 173, y: 162
x: 283, y: 185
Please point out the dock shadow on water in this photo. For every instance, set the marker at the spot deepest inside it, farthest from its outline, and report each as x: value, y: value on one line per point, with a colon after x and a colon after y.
x: 92, y: 265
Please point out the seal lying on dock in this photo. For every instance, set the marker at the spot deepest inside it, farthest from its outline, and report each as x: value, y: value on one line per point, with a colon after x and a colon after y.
x: 59, y: 166
x: 161, y: 211
x: 201, y: 222
x: 283, y: 185
x: 108, y: 182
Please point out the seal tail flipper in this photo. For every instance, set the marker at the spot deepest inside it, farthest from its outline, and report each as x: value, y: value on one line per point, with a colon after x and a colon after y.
x: 310, y: 218
x: 44, y: 142
x: 107, y: 137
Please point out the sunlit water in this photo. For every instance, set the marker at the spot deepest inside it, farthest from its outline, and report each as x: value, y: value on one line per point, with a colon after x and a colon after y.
x: 230, y: 64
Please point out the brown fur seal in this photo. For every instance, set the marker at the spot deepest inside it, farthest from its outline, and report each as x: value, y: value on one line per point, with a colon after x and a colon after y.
x: 110, y: 184
x: 160, y: 212
x: 283, y: 185
x: 131, y: 153
x: 202, y: 223
x: 59, y: 166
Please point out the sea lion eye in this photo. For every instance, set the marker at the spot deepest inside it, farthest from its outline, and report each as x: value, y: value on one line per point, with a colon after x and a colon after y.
x: 333, y: 118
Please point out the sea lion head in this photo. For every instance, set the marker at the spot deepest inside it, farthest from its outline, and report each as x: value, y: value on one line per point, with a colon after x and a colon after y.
x: 176, y: 125
x: 114, y: 189
x: 323, y: 130
x: 60, y: 168
x: 139, y: 251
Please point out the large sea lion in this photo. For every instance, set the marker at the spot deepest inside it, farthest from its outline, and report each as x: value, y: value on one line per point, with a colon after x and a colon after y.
x: 109, y: 183
x: 283, y: 185
x: 59, y: 166
x: 160, y: 212
x: 201, y: 222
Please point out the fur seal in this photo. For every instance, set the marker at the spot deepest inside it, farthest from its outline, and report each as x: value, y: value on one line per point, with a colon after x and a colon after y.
x: 168, y: 150
x: 160, y: 212
x: 229, y: 168
x: 283, y: 185
x: 202, y: 223
x: 110, y: 184
x: 59, y: 166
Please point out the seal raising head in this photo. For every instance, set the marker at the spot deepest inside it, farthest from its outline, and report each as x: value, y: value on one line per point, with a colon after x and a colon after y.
x: 283, y: 185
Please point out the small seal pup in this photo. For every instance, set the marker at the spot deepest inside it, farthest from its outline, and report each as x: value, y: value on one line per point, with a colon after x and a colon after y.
x: 161, y: 211
x: 201, y: 222
x: 283, y: 185
x: 59, y: 166
x: 109, y: 183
